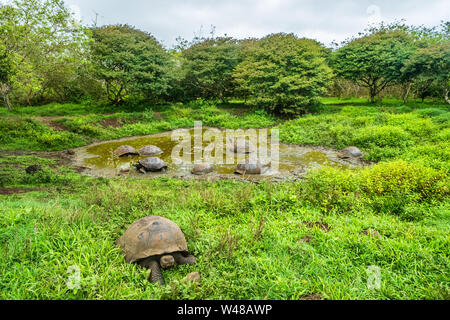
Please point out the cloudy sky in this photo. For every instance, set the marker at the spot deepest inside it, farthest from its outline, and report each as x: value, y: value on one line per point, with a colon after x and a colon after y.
x: 323, y: 20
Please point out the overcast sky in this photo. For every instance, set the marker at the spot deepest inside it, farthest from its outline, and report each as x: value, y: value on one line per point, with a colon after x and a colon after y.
x: 323, y: 20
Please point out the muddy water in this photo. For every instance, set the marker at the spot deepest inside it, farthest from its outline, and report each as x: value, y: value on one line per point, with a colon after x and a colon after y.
x: 293, y: 160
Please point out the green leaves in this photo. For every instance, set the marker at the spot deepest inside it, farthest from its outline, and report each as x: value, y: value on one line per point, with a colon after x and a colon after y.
x: 374, y: 60
x: 130, y: 62
x: 283, y: 74
x: 207, y: 68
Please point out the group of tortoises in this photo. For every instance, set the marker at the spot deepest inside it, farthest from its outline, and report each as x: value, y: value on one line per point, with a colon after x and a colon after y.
x: 153, y: 164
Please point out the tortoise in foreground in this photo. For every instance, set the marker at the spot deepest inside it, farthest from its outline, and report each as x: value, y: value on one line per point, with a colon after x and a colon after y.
x: 249, y: 168
x: 150, y: 151
x: 155, y: 242
x: 125, y: 150
x: 151, y: 164
x: 202, y: 168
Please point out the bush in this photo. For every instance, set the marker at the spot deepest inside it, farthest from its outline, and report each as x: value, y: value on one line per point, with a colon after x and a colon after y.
x: 400, y: 178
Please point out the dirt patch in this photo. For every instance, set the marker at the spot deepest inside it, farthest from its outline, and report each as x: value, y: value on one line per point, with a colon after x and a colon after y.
x: 305, y: 239
x: 112, y: 122
x: 314, y: 296
x: 49, y: 121
x: 63, y: 157
x: 11, y: 191
x: 371, y: 233
x: 158, y: 115
x: 321, y: 225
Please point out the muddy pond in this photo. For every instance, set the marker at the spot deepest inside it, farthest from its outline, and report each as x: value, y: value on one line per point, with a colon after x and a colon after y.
x: 292, y: 161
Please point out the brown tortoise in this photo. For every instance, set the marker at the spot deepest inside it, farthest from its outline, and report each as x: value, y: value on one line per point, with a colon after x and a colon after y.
x: 125, y: 150
x: 155, y: 241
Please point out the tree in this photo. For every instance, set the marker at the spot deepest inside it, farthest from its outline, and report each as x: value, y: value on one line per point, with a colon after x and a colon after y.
x: 208, y: 68
x: 36, y: 36
x: 376, y: 59
x: 130, y: 61
x: 283, y: 73
x: 6, y: 72
x: 432, y: 65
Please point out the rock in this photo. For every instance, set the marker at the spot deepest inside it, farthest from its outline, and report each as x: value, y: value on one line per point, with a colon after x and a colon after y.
x: 371, y: 232
x: 314, y: 296
x: 33, y: 169
x: 202, y: 168
x: 305, y: 239
x: 351, y: 152
x: 193, y: 277
x: 124, y: 170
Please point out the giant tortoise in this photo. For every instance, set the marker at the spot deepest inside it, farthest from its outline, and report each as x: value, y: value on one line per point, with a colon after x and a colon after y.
x: 153, y: 242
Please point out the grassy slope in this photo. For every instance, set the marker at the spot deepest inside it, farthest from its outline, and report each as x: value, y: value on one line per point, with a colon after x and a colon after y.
x: 246, y: 236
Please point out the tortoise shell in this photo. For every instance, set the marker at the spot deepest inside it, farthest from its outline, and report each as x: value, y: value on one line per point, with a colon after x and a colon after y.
x: 152, y: 164
x: 242, y: 146
x: 151, y: 236
x: 125, y: 150
x: 249, y: 168
x: 150, y: 151
x: 202, y: 168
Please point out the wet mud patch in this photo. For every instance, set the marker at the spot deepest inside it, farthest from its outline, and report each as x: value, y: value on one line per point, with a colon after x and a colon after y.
x: 12, y: 191
x: 292, y: 163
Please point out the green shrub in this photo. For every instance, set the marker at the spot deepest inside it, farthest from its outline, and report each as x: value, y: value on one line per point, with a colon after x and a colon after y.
x: 330, y: 189
x: 401, y: 177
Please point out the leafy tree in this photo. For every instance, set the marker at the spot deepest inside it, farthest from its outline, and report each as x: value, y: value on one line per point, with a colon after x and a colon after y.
x: 130, y: 61
x: 37, y: 37
x: 6, y: 72
x: 283, y: 73
x: 208, y: 68
x: 376, y: 59
x: 432, y: 65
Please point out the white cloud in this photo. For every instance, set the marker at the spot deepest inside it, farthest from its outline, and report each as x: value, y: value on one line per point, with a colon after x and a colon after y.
x: 325, y: 20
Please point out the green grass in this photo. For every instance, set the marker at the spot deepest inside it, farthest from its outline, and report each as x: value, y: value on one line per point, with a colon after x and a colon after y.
x: 245, y: 236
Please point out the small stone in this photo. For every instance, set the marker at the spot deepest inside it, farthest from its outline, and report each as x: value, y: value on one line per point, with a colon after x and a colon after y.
x: 193, y: 277
x: 314, y: 296
x: 371, y: 232
x: 33, y: 169
x: 305, y: 239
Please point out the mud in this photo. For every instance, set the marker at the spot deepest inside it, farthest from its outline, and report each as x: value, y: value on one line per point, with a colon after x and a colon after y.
x: 294, y: 160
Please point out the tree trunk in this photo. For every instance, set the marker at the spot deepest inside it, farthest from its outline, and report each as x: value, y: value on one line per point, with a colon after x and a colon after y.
x: 5, y: 90
x: 406, y: 94
x: 373, y: 95
x: 446, y: 96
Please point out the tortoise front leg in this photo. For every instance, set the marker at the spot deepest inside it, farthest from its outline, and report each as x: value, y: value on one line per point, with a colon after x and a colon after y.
x: 155, y: 272
x: 180, y: 259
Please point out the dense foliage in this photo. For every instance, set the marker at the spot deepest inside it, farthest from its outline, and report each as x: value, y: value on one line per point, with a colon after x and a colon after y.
x: 284, y: 74
x: 130, y: 62
x: 47, y: 56
x: 207, y: 69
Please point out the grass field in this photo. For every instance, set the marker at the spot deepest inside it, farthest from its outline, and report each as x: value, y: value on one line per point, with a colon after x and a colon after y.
x: 252, y: 241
